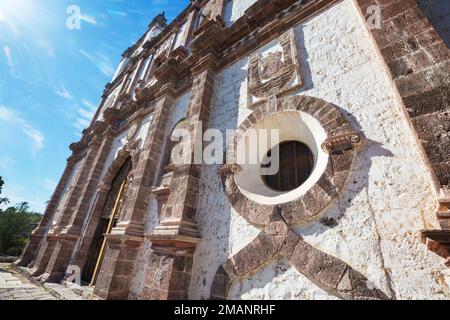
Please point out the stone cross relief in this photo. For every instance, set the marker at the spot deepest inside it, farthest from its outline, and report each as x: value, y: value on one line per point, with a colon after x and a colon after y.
x: 267, y: 78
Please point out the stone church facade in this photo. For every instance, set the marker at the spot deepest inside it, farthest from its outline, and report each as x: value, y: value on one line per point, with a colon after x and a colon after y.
x: 365, y: 109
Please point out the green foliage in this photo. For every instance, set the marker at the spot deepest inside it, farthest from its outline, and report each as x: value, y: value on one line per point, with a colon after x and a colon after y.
x: 16, y: 224
x: 2, y: 200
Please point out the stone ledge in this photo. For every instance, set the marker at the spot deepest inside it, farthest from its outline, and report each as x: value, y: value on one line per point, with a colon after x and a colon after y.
x: 438, y: 241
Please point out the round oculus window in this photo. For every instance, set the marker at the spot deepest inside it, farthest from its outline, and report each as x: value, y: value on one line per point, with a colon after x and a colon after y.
x: 296, y: 163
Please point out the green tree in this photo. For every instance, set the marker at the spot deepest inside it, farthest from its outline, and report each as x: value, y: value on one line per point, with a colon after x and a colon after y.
x: 16, y: 224
x: 2, y: 200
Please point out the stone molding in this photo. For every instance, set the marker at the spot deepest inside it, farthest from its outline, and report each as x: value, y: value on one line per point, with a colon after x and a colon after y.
x: 311, y: 204
x: 271, y: 75
x: 277, y: 241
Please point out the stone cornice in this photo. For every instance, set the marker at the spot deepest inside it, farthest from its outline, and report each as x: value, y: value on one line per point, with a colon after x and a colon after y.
x: 215, y: 46
x: 255, y: 28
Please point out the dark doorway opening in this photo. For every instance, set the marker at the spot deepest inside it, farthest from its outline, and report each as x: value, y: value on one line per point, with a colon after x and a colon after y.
x: 108, y: 220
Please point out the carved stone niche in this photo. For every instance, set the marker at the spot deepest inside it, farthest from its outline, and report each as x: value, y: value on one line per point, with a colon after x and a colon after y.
x: 277, y: 73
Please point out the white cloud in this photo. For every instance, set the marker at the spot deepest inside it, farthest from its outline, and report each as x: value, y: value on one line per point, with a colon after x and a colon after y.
x: 85, y: 114
x: 87, y: 55
x: 82, y: 123
x: 6, y: 163
x: 100, y: 61
x: 7, y: 53
x: 89, y: 105
x: 50, y: 184
x: 36, y: 137
x: 88, y: 19
x: 63, y: 92
x: 106, y: 69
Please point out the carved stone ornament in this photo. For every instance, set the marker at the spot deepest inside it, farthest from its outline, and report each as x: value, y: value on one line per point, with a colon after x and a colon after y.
x: 277, y: 73
x: 277, y: 239
x: 229, y: 169
x: 341, y: 142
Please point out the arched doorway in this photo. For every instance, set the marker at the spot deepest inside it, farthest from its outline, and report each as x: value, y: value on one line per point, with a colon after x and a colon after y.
x: 108, y: 220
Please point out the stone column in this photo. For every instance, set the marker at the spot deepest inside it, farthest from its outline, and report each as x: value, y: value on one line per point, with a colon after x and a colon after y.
x: 68, y: 237
x: 81, y: 210
x: 61, y: 251
x: 175, y: 238
x: 123, y: 243
x: 30, y: 252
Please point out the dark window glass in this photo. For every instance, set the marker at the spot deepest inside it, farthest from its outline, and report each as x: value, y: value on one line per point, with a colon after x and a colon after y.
x: 296, y: 165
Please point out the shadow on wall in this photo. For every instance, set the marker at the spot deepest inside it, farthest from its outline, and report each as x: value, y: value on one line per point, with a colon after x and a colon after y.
x: 358, y: 179
x: 304, y: 59
x: 438, y: 13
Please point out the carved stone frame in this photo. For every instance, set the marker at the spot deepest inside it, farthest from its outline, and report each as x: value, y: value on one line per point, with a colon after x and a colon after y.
x: 342, y: 138
x: 278, y: 81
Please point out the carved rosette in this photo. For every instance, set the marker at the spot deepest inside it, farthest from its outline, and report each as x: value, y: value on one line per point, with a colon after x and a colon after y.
x: 277, y: 73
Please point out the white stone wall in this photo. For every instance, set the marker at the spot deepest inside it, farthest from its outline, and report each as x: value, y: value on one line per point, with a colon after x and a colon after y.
x: 234, y: 9
x: 387, y: 200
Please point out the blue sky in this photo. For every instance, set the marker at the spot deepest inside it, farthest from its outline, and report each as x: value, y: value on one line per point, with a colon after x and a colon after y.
x: 52, y: 78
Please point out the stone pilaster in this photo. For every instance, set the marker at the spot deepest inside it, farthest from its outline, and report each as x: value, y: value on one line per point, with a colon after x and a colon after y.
x: 174, y: 240
x: 123, y: 243
x: 179, y: 211
x: 43, y: 256
x: 30, y: 252
x: 114, y: 279
x: 75, y: 192
x: 419, y: 62
x: 81, y: 210
x: 68, y: 237
x: 168, y: 274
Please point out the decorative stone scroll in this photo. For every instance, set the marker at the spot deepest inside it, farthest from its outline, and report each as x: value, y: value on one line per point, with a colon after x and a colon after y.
x: 342, y: 142
x: 276, y: 74
x: 229, y: 169
x: 277, y: 240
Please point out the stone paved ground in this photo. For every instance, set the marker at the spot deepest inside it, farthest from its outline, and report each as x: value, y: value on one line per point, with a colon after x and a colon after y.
x: 16, y: 287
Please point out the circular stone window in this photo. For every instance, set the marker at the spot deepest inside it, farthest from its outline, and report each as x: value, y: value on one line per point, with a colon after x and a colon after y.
x: 296, y: 163
x: 298, y: 132
x: 316, y: 145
